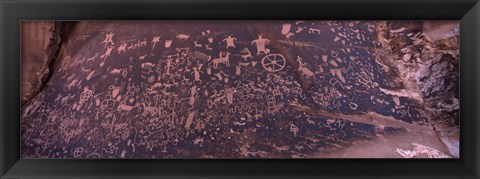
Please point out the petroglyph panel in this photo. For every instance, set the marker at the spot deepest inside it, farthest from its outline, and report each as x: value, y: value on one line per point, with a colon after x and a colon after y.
x: 246, y: 89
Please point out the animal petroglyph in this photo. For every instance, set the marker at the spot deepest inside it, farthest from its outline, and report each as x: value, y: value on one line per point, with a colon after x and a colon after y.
x: 141, y: 58
x: 223, y: 59
x: 122, y: 48
x: 246, y: 54
x: 307, y: 73
x: 197, y: 45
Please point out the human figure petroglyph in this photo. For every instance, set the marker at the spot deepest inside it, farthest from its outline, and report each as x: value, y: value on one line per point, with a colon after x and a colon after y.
x: 238, y: 70
x: 168, y: 66
x: 222, y: 59
x: 155, y: 40
x: 189, y: 120
x: 230, y: 41
x: 108, y: 39
x: 260, y: 43
x: 209, y: 70
x: 193, y: 94
x: 300, y: 61
x: 229, y: 94
x: 270, y: 103
x: 108, y: 52
x: 196, y: 74
x: 205, y: 93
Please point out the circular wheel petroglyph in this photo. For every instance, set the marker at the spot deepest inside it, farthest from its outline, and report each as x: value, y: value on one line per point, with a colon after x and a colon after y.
x: 274, y: 62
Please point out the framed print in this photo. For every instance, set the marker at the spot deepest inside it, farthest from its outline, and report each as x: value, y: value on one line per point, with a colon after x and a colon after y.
x: 246, y: 89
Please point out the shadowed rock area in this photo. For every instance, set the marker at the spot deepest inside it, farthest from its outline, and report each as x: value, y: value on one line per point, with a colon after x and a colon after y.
x: 39, y: 43
x: 243, y: 89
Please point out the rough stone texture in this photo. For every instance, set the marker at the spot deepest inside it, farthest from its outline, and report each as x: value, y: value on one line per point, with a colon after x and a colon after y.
x: 430, y: 63
x: 39, y: 43
x: 323, y: 89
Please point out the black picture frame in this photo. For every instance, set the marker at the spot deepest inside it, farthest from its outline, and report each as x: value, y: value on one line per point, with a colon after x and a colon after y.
x: 14, y: 11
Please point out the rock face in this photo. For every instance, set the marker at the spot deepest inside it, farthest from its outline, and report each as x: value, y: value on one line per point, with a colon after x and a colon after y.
x: 39, y: 43
x: 429, y: 62
x: 248, y: 89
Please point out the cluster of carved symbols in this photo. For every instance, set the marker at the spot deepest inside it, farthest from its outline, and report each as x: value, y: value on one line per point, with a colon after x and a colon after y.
x: 193, y: 89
